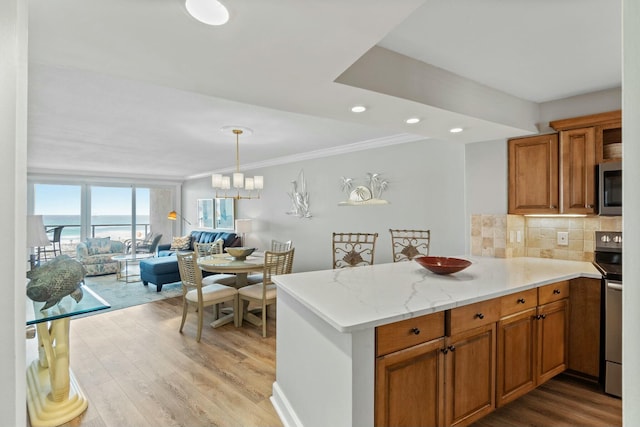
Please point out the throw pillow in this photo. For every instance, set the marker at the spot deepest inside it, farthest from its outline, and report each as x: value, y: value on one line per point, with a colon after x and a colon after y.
x: 181, y: 243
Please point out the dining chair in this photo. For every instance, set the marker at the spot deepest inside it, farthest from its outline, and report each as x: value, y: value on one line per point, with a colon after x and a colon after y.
x: 213, y: 248
x: 264, y: 293
x: 210, y: 248
x: 194, y: 293
x: 276, y: 246
x: 353, y: 249
x: 408, y: 244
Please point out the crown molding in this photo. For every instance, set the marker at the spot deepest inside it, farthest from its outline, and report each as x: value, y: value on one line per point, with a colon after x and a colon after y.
x: 369, y: 144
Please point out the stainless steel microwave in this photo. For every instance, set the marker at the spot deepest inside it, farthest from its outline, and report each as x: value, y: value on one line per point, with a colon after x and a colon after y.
x: 610, y: 188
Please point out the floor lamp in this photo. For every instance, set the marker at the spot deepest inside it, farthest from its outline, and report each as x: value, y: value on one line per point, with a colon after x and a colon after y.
x: 173, y: 215
x: 36, y: 238
x: 243, y: 226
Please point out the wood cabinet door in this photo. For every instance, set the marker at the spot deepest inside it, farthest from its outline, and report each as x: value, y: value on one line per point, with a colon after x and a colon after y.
x: 409, y: 386
x: 553, y: 339
x: 533, y: 175
x: 516, y: 373
x: 609, y: 133
x: 578, y: 164
x: 470, y: 375
x: 584, y: 327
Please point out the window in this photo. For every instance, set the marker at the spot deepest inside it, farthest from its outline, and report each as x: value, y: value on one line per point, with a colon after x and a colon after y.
x: 95, y: 210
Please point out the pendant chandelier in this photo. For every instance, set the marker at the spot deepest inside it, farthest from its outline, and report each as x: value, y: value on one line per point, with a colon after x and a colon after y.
x: 250, y: 186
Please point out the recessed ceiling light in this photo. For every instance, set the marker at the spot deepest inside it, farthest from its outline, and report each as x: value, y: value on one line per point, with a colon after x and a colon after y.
x: 358, y: 108
x: 455, y: 130
x: 210, y: 12
x: 412, y: 120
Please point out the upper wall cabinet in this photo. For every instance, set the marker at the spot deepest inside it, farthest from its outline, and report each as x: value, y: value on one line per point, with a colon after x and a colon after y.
x: 577, y: 171
x: 533, y: 175
x: 607, y: 129
x: 551, y: 174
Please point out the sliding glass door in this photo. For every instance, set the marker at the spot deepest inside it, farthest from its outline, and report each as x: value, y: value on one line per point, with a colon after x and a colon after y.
x: 122, y: 212
x: 111, y: 212
x: 60, y: 205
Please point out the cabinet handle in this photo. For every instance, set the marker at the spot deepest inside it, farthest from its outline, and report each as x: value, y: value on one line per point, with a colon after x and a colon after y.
x: 556, y: 291
x: 444, y: 350
x: 415, y: 331
x: 553, y: 207
x: 521, y: 301
x: 588, y: 206
x: 480, y: 316
x: 541, y: 316
x: 452, y: 348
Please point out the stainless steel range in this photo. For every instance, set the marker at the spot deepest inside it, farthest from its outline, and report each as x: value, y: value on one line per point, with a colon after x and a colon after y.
x: 608, y: 260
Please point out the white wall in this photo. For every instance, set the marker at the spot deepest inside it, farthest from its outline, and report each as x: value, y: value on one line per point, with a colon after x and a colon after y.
x: 486, y: 180
x: 13, y: 256
x: 581, y: 105
x: 426, y: 191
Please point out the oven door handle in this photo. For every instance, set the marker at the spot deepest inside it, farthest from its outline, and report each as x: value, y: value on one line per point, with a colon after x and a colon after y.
x: 613, y: 285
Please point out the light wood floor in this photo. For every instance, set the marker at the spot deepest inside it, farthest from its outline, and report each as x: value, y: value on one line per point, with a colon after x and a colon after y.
x: 562, y: 401
x: 137, y: 371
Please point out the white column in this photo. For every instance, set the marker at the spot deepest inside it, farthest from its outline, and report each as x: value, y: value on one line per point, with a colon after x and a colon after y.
x: 13, y: 262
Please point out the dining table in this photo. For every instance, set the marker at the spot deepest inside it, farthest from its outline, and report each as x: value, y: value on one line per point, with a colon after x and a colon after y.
x: 225, y: 263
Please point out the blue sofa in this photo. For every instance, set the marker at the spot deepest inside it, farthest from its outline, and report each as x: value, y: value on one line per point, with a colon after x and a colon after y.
x: 163, y: 268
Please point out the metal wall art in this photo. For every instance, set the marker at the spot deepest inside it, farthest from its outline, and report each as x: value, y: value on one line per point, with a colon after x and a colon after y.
x: 362, y: 194
x: 299, y: 197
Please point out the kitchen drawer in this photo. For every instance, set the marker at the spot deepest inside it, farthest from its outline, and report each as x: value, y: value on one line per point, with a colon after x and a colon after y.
x: 520, y: 301
x: 407, y: 333
x: 472, y: 316
x: 553, y: 292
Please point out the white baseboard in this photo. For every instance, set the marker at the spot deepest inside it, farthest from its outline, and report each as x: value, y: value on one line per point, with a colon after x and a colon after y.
x: 283, y: 408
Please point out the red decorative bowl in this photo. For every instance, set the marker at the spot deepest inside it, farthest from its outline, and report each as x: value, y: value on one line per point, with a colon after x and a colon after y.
x: 442, y: 265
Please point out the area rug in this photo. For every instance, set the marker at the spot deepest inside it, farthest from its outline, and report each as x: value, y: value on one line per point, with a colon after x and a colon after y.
x: 121, y: 295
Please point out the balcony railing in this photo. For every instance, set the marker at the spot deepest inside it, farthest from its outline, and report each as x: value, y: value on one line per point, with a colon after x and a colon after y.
x: 70, y: 236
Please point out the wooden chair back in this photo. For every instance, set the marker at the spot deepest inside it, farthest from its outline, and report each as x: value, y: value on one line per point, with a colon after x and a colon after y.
x: 211, y: 248
x: 190, y: 273
x: 277, y: 263
x: 277, y: 246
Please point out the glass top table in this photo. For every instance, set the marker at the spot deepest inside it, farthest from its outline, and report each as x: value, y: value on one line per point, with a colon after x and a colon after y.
x: 67, y: 307
x: 124, y: 275
x: 54, y: 396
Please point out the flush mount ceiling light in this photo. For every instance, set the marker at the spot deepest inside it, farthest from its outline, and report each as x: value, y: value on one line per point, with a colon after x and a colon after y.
x: 220, y: 182
x: 358, y: 108
x: 412, y: 121
x: 455, y: 130
x: 210, y: 12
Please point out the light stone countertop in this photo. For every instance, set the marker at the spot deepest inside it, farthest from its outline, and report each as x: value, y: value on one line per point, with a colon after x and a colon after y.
x: 352, y: 299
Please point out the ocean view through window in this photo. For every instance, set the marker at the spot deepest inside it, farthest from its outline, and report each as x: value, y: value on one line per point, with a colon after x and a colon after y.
x: 111, y: 211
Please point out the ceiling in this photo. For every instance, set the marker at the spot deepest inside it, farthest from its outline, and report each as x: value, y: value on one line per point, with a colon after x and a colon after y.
x: 141, y: 89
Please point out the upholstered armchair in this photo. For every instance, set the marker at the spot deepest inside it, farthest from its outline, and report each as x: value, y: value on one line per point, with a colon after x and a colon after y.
x: 95, y: 255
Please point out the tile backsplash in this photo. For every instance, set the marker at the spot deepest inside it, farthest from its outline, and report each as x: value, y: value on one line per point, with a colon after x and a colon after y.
x: 507, y: 236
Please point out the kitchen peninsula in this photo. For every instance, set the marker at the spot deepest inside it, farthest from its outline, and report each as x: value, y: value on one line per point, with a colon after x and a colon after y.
x: 327, y: 320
